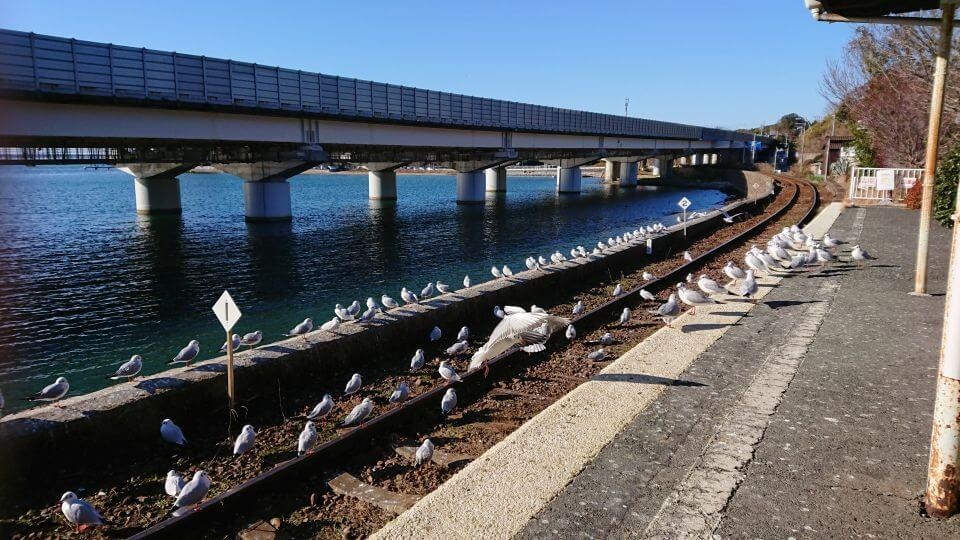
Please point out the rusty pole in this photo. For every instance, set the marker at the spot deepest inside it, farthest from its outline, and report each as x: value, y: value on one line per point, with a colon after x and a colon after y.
x: 942, y: 497
x: 933, y: 143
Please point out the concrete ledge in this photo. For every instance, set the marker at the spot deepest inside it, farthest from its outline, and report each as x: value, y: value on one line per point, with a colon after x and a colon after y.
x: 498, y: 493
x: 125, y: 418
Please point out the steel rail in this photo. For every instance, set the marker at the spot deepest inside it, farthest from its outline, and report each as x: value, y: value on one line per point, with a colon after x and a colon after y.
x: 356, y: 438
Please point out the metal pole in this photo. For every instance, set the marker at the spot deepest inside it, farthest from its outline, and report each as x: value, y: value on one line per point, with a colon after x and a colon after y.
x: 933, y: 142
x: 230, y: 392
x: 942, y: 498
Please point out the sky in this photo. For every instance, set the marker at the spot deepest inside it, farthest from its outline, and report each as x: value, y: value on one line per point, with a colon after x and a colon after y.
x: 706, y: 62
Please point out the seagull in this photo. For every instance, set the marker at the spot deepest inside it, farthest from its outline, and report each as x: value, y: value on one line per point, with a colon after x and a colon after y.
x: 330, y: 325
x: 668, y: 311
x: 859, y: 254
x: 321, y: 409
x: 192, y: 492
x: 749, y: 286
x: 52, y: 392
x: 646, y: 295
x: 400, y: 394
x: 496, y: 272
x: 727, y: 218
x: 578, y: 308
x: 618, y: 290
x: 625, y: 316
x: 507, y: 272
x: 173, y: 484
x: 235, y: 343
x: 172, y: 433
x: 498, y: 313
x: 418, y: 360
x: 342, y: 313
x: 541, y: 261
x: 459, y: 347
x: 442, y: 287
x: 301, y: 329
x: 466, y: 282
x: 79, y: 512
x: 709, y: 286
x: 571, y: 332
x: 597, y: 355
x: 830, y: 241
x: 186, y: 354
x: 354, y: 309
x: 449, y: 401
x: 252, y: 339
x: 435, y: 334
x: 537, y: 309
x: 517, y: 328
x: 245, y: 440
x: 733, y: 272
x: 463, y: 334
x: 424, y: 453
x: 427, y: 291
x: 647, y: 276
x: 754, y: 262
x: 606, y: 339
x: 307, y: 438
x: 687, y: 257
x: 408, y: 296
x: 530, y: 263
x: 693, y: 297
x: 130, y: 369
x: 359, y: 413
x: 388, y: 302
x: 367, y: 315
x: 353, y: 384
x: 448, y: 373
x: 689, y: 278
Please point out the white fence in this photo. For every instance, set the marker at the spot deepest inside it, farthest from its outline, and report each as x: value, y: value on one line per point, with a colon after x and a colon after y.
x: 882, y: 185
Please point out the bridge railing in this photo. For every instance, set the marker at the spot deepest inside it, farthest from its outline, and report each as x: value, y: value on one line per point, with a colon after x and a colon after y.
x: 47, y: 64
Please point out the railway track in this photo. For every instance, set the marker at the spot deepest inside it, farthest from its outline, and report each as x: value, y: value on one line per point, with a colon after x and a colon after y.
x: 293, y: 487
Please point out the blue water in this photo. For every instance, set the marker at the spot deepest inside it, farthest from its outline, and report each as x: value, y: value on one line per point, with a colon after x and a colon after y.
x: 85, y: 283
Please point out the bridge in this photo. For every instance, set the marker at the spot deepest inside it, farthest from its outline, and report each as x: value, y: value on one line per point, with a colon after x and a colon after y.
x: 156, y: 115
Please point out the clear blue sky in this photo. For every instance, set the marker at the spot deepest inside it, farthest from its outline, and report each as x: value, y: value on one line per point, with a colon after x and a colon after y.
x: 708, y: 62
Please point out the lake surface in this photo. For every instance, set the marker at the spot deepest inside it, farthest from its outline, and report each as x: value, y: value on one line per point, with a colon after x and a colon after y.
x: 85, y: 283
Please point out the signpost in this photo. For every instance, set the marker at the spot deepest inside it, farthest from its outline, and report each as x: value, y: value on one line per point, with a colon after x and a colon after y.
x: 684, y: 203
x: 228, y: 314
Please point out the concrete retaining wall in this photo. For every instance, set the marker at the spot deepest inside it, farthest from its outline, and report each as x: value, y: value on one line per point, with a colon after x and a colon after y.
x: 126, y: 417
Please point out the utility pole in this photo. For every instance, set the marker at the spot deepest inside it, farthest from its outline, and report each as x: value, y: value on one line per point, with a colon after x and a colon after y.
x: 626, y: 106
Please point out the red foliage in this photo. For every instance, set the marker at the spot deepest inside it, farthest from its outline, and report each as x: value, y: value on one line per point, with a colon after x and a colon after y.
x: 914, y: 196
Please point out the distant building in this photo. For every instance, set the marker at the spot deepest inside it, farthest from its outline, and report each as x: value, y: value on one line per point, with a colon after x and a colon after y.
x: 836, y: 148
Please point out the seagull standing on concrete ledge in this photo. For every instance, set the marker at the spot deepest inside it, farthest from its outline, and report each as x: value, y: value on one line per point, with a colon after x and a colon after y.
x: 859, y: 255
x: 668, y: 311
x: 236, y: 343
x: 252, y: 339
x: 186, y: 354
x: 442, y: 287
x: 709, y: 286
x: 302, y: 329
x: 52, y: 392
x: 330, y: 325
x: 466, y: 282
x: 408, y: 296
x: 693, y: 298
x: 130, y: 369
x: 388, y: 302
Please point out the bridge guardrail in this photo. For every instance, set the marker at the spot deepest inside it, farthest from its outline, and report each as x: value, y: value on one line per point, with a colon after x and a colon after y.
x: 35, y: 63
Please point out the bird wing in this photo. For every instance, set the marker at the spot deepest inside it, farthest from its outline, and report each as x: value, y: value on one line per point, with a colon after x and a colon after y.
x: 516, y: 323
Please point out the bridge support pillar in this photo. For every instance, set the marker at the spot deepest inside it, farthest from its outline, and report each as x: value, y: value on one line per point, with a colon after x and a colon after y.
x: 470, y: 187
x: 382, y: 181
x: 694, y: 160
x: 156, y: 186
x: 266, y: 193
x: 569, y: 179
x: 267, y: 201
x: 496, y: 179
x: 628, y: 174
x: 663, y: 167
x: 611, y: 171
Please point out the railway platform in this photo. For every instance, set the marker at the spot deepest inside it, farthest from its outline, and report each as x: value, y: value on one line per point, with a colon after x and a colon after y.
x: 806, y: 414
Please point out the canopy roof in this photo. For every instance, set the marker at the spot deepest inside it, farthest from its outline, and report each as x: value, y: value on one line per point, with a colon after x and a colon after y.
x: 870, y: 8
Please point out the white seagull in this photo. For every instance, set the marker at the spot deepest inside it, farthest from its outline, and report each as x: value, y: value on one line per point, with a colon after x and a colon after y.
x: 307, y: 438
x: 302, y: 329
x: 359, y: 413
x: 244, y: 440
x: 186, y: 354
x: 53, y: 391
x: 448, y: 373
x: 353, y: 384
x: 193, y: 492
x: 130, y: 369
x: 517, y: 328
x: 321, y: 409
x: 172, y: 433
x: 79, y: 512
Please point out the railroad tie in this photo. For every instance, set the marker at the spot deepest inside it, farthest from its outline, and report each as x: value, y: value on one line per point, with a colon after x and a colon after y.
x: 350, y: 486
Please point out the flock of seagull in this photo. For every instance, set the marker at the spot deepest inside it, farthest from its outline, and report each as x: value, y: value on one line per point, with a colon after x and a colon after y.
x: 788, y: 251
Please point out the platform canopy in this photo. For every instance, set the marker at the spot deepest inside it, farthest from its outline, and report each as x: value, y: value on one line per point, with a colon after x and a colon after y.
x: 874, y: 11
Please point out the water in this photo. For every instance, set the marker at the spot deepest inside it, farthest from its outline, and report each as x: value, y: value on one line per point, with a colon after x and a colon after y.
x: 85, y: 283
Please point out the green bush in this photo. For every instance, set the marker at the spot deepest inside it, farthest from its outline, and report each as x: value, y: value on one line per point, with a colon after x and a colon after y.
x: 945, y: 190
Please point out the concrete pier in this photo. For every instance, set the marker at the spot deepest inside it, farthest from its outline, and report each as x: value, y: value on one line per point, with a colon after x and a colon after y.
x: 496, y: 179
x: 693, y: 160
x: 271, y: 200
x: 156, y: 186
x: 267, y: 201
x: 382, y: 180
x: 470, y: 187
x: 663, y: 167
x: 568, y: 180
x: 628, y: 174
x: 611, y: 171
